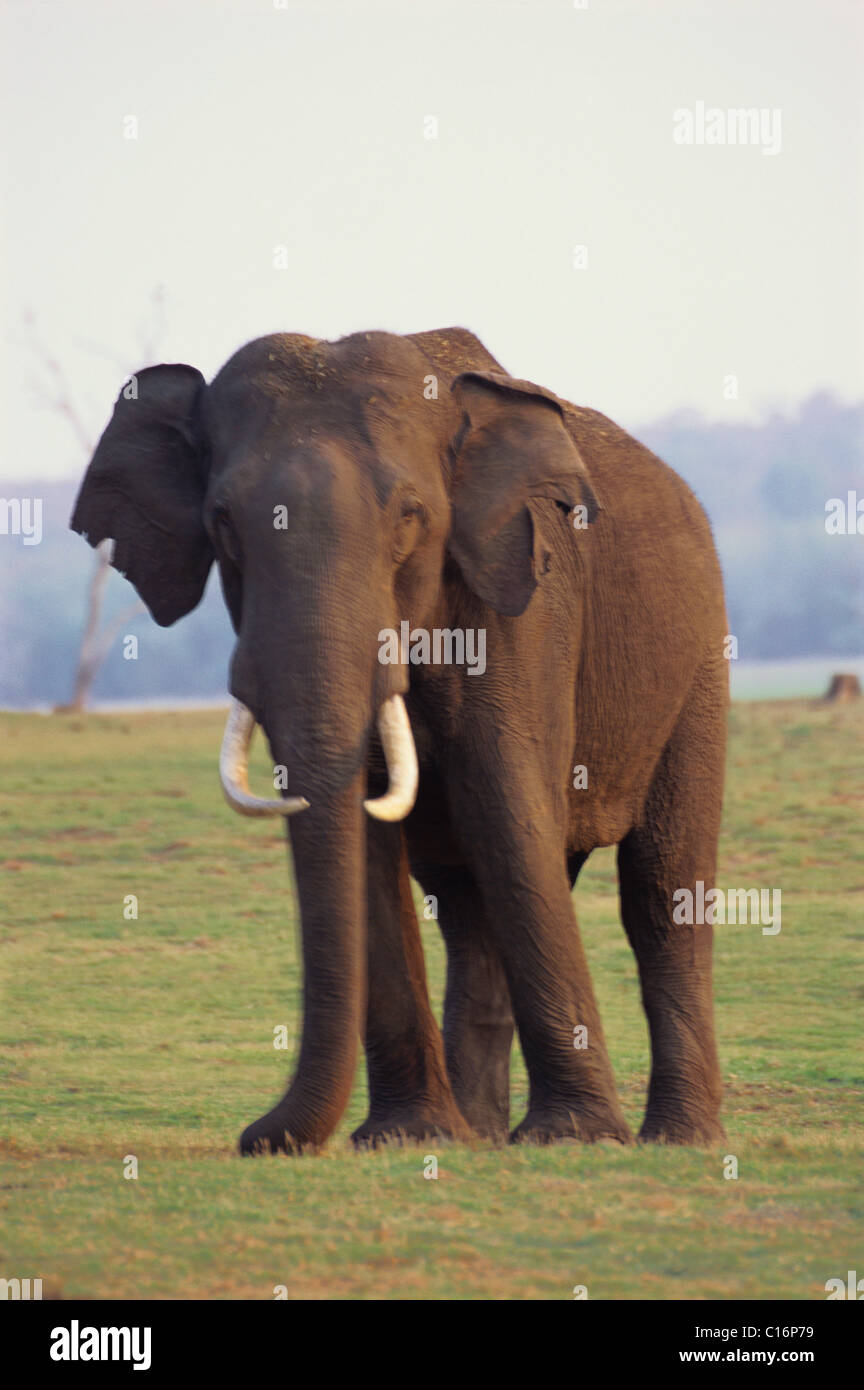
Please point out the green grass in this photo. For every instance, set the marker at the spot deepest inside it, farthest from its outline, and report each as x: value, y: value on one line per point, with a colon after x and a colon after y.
x: 154, y: 1037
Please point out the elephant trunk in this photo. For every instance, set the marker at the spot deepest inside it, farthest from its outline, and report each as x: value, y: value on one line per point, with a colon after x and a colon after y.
x: 323, y: 747
x: 317, y: 689
x: 328, y: 844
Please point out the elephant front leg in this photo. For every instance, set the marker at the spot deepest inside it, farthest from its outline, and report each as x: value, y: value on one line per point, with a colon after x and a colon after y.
x: 572, y: 1092
x: 409, y: 1091
x: 478, y: 1018
x: 520, y: 866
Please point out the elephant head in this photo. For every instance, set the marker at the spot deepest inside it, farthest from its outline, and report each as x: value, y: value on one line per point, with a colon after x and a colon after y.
x: 332, y: 485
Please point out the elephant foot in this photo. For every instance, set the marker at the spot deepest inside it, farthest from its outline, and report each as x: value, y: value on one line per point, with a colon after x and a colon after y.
x: 412, y: 1126
x: 493, y: 1127
x: 271, y: 1135
x: 545, y: 1126
x: 700, y: 1131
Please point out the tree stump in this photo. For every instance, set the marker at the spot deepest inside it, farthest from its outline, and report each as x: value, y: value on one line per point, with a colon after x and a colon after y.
x: 842, y: 688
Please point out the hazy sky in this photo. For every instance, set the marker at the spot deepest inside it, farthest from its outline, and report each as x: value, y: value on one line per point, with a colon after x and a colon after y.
x: 303, y: 126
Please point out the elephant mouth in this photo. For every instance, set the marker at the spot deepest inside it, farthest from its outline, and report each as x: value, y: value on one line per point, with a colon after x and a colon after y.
x: 397, y: 741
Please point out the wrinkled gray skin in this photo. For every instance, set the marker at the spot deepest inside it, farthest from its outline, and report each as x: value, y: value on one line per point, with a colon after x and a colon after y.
x: 604, y: 650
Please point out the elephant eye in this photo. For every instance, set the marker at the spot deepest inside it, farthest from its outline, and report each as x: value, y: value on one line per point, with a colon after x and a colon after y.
x: 412, y: 510
x: 407, y: 528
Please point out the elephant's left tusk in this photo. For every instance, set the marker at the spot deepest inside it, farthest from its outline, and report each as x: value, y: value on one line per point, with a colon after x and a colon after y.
x: 400, y: 755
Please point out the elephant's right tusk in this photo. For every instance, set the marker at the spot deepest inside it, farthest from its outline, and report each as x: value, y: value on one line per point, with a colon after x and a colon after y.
x: 400, y: 755
x: 234, y: 769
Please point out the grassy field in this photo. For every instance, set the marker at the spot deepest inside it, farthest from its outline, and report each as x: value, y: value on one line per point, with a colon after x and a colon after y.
x: 154, y: 1038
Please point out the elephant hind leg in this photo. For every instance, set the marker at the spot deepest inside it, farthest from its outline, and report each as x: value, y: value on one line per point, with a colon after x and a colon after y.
x: 675, y: 847
x: 478, y: 1018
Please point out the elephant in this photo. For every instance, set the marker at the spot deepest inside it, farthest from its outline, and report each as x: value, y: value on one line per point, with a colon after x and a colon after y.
x: 391, y: 484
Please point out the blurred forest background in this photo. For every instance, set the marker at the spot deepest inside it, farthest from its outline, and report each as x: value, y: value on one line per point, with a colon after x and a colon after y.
x: 793, y: 590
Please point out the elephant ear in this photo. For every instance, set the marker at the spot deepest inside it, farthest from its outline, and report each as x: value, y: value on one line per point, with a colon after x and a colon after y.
x: 513, y: 451
x: 145, y: 488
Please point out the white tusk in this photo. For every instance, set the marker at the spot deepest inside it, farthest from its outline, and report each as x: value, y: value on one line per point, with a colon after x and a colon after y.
x: 400, y: 755
x: 234, y: 769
